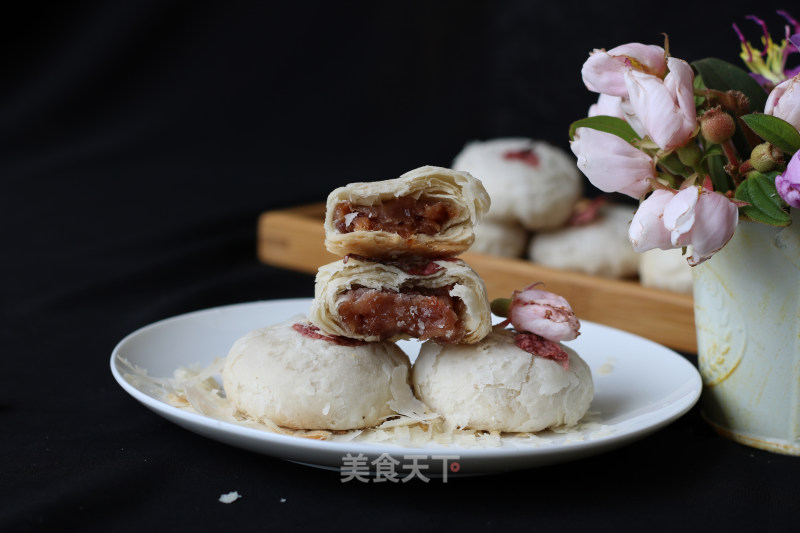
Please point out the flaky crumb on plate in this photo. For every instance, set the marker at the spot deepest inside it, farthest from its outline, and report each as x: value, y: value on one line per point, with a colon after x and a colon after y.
x: 198, y: 389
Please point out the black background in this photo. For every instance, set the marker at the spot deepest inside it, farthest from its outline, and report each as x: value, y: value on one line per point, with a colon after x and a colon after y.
x: 139, y: 142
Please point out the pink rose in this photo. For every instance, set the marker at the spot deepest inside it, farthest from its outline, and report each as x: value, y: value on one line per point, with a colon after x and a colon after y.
x: 788, y: 183
x: 702, y: 219
x: 696, y: 217
x: 784, y: 101
x: 647, y: 230
x: 665, y: 107
x: 612, y: 164
x: 604, y: 71
x: 543, y: 313
x: 607, y: 105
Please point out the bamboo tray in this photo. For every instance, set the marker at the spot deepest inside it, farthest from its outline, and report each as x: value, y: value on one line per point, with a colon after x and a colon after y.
x: 294, y: 238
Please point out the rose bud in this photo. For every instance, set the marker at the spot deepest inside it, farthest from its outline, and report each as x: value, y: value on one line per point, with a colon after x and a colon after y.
x: 765, y: 157
x: 702, y: 219
x: 665, y: 106
x: 717, y: 126
x: 612, y: 164
x: 788, y: 183
x: 604, y: 71
x: 543, y: 313
x: 784, y: 101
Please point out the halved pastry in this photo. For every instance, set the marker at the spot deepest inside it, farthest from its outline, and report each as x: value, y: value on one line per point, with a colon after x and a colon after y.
x: 427, y: 212
x: 443, y: 300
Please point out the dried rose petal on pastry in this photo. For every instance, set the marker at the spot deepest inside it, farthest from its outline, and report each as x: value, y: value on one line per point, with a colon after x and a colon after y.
x: 495, y: 385
x: 291, y: 375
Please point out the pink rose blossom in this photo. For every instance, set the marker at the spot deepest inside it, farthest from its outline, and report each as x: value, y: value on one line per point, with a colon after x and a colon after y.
x: 702, y: 219
x: 788, y: 183
x: 604, y: 71
x: 665, y: 107
x: 693, y: 217
x: 647, y: 230
x: 629, y: 114
x: 612, y: 164
x: 543, y: 313
x: 784, y: 101
x: 607, y: 105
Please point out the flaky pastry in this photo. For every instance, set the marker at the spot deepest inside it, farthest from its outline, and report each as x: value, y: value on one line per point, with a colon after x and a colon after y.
x: 427, y: 212
x: 444, y: 300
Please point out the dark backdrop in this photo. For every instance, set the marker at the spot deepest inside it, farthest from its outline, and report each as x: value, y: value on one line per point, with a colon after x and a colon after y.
x: 139, y: 142
x: 129, y: 124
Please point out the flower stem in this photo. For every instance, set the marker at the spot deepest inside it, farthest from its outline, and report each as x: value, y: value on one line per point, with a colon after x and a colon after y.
x: 734, y: 101
x: 745, y: 167
x: 732, y: 168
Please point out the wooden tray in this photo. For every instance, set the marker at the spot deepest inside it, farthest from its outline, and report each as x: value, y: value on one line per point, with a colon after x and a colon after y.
x: 294, y: 239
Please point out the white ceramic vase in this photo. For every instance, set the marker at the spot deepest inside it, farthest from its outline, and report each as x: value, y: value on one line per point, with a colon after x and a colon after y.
x: 747, y: 314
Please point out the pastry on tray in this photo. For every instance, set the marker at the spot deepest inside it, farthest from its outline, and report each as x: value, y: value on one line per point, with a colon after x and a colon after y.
x: 531, y: 183
x: 598, y: 247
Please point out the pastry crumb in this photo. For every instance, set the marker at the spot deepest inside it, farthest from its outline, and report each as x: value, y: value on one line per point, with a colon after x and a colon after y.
x: 229, y: 497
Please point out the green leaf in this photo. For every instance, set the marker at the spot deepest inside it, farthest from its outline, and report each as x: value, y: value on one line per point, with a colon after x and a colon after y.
x: 715, y: 161
x: 614, y: 125
x: 713, y: 150
x: 774, y: 130
x: 698, y: 84
x: 766, y: 206
x: 673, y: 165
x: 723, y: 76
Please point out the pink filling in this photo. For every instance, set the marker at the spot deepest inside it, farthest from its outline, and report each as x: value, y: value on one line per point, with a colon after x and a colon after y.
x: 422, y: 314
x: 403, y: 216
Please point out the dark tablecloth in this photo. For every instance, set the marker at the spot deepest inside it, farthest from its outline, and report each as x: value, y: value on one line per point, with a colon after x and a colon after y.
x: 139, y: 144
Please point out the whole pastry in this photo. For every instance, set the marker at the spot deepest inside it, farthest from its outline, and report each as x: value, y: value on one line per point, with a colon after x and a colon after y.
x: 501, y: 239
x: 598, y: 248
x: 531, y: 183
x: 666, y: 269
x: 495, y: 385
x: 292, y: 375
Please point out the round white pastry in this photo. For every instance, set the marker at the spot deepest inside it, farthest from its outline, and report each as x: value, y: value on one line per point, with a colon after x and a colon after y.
x: 599, y: 248
x: 537, y: 191
x: 279, y: 374
x: 666, y: 269
x: 500, y: 239
x: 494, y: 385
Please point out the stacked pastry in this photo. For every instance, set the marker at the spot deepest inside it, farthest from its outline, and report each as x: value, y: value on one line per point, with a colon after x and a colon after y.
x: 399, y: 277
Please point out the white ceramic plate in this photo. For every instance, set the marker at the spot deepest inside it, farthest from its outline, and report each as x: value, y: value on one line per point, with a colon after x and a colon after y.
x: 640, y: 387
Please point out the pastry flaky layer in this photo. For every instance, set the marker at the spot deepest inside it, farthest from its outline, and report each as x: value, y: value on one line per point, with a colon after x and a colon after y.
x: 496, y: 386
x: 279, y: 374
x: 443, y: 300
x: 448, y: 204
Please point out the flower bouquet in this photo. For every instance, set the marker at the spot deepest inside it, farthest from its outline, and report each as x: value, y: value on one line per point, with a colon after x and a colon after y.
x: 704, y: 146
x: 701, y: 145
